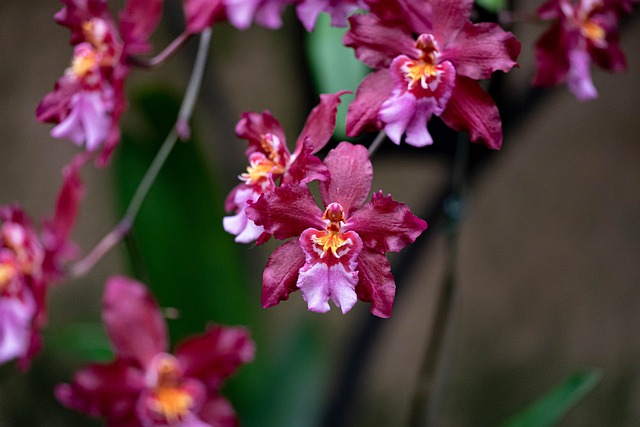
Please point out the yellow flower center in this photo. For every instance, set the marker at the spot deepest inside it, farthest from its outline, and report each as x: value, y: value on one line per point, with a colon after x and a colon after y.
x: 332, y: 240
x: 173, y: 403
x: 7, y: 273
x: 83, y: 63
x: 593, y: 32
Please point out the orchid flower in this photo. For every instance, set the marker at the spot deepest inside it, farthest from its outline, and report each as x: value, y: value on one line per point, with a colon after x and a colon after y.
x: 29, y: 263
x: 271, y: 162
x: 428, y: 57
x: 338, y: 253
x: 583, y: 31
x: 88, y: 99
x: 144, y: 385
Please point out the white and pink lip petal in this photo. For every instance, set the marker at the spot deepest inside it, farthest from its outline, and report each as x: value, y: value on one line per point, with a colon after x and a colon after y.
x: 320, y: 283
x: 396, y: 113
x: 16, y: 315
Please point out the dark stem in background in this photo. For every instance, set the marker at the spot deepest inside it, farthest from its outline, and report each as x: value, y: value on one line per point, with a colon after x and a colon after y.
x: 421, y: 409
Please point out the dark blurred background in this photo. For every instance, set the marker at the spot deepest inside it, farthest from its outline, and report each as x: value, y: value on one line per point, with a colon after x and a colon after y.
x: 549, y: 271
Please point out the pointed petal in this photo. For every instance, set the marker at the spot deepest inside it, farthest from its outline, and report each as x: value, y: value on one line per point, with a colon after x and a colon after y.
x: 137, y: 22
x: 472, y: 109
x: 133, y: 321
x: 200, y: 14
x: 286, y: 211
x: 215, y: 355
x: 375, y: 43
x: 109, y: 391
x: 448, y: 18
x: 321, y: 122
x: 611, y: 57
x: 376, y: 283
x: 362, y: 114
x: 552, y: 62
x: 351, y: 175
x: 305, y: 167
x: 481, y: 49
x: 218, y: 412
x: 281, y: 273
x: 385, y: 225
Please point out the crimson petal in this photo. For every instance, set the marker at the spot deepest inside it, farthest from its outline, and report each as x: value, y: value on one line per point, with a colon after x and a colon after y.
x: 362, y: 114
x: 448, y: 18
x: 481, y: 49
x: 351, y: 175
x: 138, y: 20
x: 104, y: 390
x: 281, y: 273
x: 252, y: 126
x: 215, y: 355
x: 286, y: 211
x: 376, y: 284
x: 385, y: 225
x: 133, y: 321
x: 472, y: 109
x: 321, y: 122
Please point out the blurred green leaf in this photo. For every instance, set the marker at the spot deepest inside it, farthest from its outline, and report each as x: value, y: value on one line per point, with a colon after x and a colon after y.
x: 494, y: 6
x: 86, y: 341
x: 549, y: 409
x: 334, y: 66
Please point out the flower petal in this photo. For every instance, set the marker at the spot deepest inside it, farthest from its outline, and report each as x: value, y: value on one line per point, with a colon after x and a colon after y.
x: 376, y: 283
x: 362, y: 114
x: 472, y: 109
x: 215, y: 355
x: 481, y: 49
x: 385, y: 225
x: 137, y: 22
x: 448, y: 18
x: 552, y: 63
x: 16, y: 317
x: 579, y: 76
x: 320, y: 124
x: 104, y: 390
x: 376, y: 43
x: 133, y: 321
x: 305, y: 167
x: 200, y: 14
x: 252, y: 127
x: 281, y: 273
x: 286, y: 211
x: 351, y: 175
x: 218, y: 412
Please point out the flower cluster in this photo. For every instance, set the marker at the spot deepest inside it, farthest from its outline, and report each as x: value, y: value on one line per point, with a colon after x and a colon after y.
x: 583, y: 31
x: 146, y: 386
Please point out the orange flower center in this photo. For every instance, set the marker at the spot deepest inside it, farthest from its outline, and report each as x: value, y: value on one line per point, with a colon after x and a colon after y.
x: 332, y: 240
x: 7, y: 273
x: 593, y: 32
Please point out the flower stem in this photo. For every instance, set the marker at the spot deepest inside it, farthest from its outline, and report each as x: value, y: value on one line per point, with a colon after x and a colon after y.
x: 168, y: 51
x: 180, y: 129
x: 420, y: 415
x: 377, y: 142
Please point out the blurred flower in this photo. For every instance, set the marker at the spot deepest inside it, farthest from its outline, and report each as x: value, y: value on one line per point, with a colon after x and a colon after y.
x: 271, y: 162
x: 28, y: 264
x: 146, y: 386
x: 583, y: 31
x: 340, y: 253
x: 339, y: 10
x: 434, y: 73
x: 88, y: 99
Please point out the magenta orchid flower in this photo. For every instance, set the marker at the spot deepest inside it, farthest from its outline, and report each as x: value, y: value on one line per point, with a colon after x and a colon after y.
x: 144, y: 386
x: 88, y: 100
x: 339, y: 253
x: 271, y: 162
x: 29, y: 263
x: 584, y: 31
x: 433, y: 73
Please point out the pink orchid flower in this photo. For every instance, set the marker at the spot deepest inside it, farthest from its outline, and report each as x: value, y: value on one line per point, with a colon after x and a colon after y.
x: 29, y: 263
x: 271, y: 162
x: 583, y: 31
x: 428, y: 57
x: 88, y: 100
x: 144, y: 386
x: 339, y: 253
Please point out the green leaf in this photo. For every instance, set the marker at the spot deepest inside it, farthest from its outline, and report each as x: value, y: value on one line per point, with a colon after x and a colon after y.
x: 334, y: 66
x: 86, y: 341
x: 494, y: 6
x: 549, y: 409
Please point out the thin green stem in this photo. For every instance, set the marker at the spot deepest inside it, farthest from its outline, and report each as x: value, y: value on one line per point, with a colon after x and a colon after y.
x: 180, y: 129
